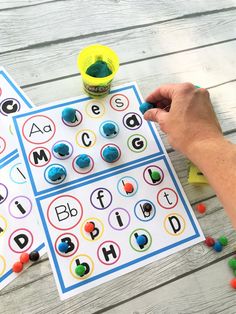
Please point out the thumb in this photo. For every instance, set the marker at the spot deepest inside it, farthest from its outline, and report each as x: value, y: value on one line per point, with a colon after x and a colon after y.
x: 156, y: 115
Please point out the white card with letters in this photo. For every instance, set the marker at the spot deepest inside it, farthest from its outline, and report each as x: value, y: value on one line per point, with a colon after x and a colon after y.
x: 12, y: 100
x: 19, y: 228
x: 104, y: 219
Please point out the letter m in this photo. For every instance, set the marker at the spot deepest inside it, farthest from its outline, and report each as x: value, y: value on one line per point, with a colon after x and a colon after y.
x: 41, y: 155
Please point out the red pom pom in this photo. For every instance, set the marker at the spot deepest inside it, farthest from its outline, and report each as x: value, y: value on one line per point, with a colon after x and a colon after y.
x: 128, y: 187
x: 89, y: 226
x: 233, y: 283
x: 201, y: 208
x: 24, y: 258
x: 209, y: 241
x: 17, y: 267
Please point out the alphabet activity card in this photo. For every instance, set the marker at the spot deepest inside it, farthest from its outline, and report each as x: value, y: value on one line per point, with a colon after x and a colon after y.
x: 108, y: 197
x: 12, y: 99
x: 20, y: 235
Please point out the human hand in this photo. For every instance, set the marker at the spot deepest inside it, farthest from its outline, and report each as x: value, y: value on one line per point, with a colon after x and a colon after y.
x: 185, y: 114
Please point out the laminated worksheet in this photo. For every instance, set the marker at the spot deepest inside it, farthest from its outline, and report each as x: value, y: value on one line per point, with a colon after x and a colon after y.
x: 108, y: 197
x: 20, y: 231
x: 12, y: 100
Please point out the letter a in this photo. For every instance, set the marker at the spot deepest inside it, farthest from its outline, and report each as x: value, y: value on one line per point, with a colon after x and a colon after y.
x: 35, y: 129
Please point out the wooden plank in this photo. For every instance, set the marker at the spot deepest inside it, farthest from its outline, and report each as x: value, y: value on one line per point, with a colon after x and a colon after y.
x: 58, y: 60
x: 198, y: 66
x: 38, y: 281
x: 31, y: 26
x: 6, y: 5
x: 200, y: 292
x: 39, y: 277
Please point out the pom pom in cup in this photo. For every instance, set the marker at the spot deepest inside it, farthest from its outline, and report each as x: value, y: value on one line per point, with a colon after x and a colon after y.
x: 97, y: 54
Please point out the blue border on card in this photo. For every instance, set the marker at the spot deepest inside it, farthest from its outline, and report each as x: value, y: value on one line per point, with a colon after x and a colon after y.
x: 11, y: 157
x: 27, y: 103
x: 9, y: 161
x: 10, y: 271
x: 59, y: 186
x: 86, y: 281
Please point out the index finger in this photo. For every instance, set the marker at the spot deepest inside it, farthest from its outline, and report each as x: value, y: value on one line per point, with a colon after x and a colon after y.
x: 162, y: 92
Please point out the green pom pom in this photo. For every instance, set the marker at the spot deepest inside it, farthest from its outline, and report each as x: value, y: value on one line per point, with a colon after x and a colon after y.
x: 232, y: 263
x: 156, y: 175
x: 223, y: 241
x: 80, y: 270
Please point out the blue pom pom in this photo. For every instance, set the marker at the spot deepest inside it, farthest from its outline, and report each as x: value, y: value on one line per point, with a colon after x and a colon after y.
x: 56, y: 173
x: 217, y: 246
x: 69, y: 115
x: 141, y: 239
x: 61, y: 149
x: 63, y: 247
x: 109, y: 128
x: 145, y: 106
x: 110, y: 153
x: 83, y: 161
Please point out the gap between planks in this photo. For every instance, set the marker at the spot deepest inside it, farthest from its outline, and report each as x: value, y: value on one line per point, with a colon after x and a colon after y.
x: 206, y: 291
x: 42, y: 64
x: 140, y: 60
x: 107, y: 17
x: 29, y: 5
x: 73, y: 38
x: 105, y: 309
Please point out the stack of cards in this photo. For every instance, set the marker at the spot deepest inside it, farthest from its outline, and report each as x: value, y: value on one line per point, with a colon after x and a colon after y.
x: 103, y: 187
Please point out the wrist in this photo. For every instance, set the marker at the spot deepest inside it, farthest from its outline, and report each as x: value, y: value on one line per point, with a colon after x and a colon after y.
x: 202, y: 150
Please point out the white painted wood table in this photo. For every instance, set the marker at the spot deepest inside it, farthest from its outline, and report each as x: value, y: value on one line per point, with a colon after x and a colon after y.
x: 158, y: 41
